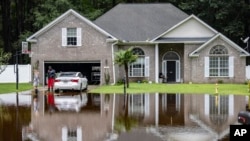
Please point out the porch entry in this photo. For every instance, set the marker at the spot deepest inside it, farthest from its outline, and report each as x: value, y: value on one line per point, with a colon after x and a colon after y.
x: 171, y: 67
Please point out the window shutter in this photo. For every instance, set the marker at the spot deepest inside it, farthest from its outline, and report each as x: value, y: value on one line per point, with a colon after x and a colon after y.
x: 206, y: 104
x: 206, y: 67
x: 231, y: 105
x: 64, y: 134
x: 146, y: 66
x: 79, y: 133
x: 64, y: 37
x: 79, y: 36
x: 231, y: 66
x: 147, y: 109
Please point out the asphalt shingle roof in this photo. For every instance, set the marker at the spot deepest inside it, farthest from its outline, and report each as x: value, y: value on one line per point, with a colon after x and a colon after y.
x: 140, y: 22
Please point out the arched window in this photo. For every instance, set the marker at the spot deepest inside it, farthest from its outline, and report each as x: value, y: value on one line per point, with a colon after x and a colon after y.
x: 137, y: 69
x: 218, y: 61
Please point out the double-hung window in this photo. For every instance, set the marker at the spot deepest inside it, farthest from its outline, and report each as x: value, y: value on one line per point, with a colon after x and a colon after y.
x: 219, y: 63
x: 139, y: 105
x: 71, y: 37
x: 71, y: 134
x: 140, y: 67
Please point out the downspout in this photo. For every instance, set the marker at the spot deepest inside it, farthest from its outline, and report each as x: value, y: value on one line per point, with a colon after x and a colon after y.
x: 113, y: 114
x: 113, y: 63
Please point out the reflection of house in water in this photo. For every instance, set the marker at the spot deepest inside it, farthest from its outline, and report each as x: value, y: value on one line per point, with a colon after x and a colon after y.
x: 91, y: 123
x: 170, y: 116
x: 209, y: 115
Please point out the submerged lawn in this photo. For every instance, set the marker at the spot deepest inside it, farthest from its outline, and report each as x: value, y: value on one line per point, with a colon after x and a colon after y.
x: 240, y: 89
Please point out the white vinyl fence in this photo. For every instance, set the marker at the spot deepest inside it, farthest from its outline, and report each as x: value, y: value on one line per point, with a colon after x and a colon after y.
x: 9, y: 75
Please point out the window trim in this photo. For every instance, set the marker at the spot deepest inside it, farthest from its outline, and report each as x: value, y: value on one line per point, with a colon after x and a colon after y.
x: 230, y: 61
x: 78, y: 37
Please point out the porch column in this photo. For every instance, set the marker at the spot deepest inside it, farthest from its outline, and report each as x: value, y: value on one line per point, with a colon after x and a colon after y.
x: 156, y: 109
x: 156, y: 63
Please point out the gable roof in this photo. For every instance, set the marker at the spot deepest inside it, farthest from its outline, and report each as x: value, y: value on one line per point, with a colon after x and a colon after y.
x: 140, y: 22
x: 243, y: 52
x: 191, y: 29
x: 33, y: 37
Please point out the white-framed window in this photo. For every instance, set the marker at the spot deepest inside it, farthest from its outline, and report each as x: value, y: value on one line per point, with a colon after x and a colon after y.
x: 140, y: 68
x: 139, y: 105
x: 219, y: 63
x: 71, y: 36
x: 71, y: 134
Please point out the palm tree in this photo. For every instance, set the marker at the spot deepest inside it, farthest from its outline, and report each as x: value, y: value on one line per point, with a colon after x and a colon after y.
x: 124, y: 58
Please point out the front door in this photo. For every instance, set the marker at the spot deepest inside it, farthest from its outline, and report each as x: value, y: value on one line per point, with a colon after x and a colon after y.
x: 171, y: 67
x: 171, y: 71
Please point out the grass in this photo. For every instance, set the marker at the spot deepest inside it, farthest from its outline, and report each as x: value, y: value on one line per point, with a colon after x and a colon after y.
x: 239, y: 89
x: 11, y: 87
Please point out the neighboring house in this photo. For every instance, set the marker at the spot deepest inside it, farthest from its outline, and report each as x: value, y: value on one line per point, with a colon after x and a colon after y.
x: 167, y: 40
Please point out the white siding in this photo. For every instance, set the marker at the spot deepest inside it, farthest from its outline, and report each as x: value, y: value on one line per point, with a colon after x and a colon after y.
x: 191, y: 29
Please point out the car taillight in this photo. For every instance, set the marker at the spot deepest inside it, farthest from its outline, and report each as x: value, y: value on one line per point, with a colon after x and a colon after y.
x: 74, y: 80
x: 57, y: 80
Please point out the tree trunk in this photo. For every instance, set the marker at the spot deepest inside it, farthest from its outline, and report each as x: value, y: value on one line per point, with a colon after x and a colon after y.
x: 126, y: 74
x: 5, y: 7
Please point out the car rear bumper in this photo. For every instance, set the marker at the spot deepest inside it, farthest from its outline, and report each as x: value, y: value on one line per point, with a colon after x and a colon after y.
x: 66, y: 87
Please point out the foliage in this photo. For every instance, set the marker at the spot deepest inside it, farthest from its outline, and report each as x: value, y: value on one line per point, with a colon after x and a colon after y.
x: 123, y: 123
x: 4, y: 114
x: 124, y: 58
x: 221, y: 15
x: 4, y: 58
x: 230, y: 17
x: 49, y: 10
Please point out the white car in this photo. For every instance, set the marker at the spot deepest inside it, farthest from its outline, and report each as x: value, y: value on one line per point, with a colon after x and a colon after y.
x: 70, y: 81
x: 71, y: 102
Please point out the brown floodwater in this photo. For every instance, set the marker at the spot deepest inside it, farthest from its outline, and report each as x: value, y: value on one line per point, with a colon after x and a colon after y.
x: 102, y: 117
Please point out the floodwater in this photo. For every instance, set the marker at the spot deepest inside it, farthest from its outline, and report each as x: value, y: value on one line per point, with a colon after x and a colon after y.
x: 118, y: 117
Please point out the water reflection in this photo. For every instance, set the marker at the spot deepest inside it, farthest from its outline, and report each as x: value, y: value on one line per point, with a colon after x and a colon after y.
x: 86, y: 116
x: 14, y: 114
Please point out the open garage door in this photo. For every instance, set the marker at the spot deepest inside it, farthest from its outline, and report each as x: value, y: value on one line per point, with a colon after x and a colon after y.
x: 90, y: 69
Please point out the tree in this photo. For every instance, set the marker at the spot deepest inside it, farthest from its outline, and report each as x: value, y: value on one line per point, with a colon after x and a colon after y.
x: 4, y: 58
x: 124, y: 58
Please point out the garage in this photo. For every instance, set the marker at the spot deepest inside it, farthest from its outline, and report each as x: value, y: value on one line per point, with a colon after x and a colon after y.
x: 91, y: 69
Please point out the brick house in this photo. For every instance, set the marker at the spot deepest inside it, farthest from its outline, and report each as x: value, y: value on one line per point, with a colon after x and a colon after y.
x: 181, y: 47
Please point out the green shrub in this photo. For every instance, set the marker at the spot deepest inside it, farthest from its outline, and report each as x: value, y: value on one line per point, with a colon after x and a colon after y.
x: 220, y: 82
